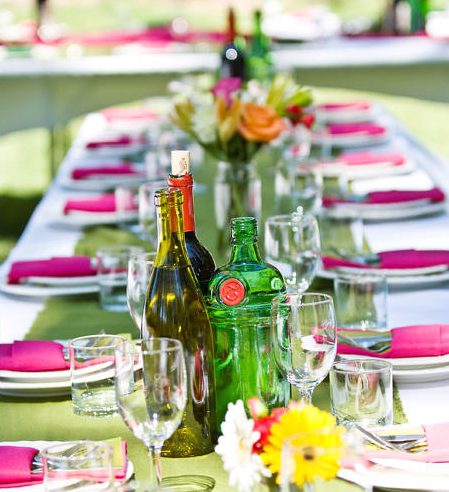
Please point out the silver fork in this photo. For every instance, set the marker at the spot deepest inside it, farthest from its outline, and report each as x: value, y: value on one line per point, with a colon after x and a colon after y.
x: 72, y: 450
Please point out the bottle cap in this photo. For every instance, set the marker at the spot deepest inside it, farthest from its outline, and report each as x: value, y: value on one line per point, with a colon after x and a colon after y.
x: 232, y: 292
x: 180, y: 162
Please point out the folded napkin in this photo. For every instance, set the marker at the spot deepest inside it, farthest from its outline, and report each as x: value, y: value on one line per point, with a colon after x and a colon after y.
x: 72, y: 266
x: 408, y: 341
x: 120, y: 170
x: 351, y: 105
x: 32, y: 356
x: 355, y: 129
x: 102, y: 203
x: 405, y: 258
x: 368, y: 158
x: 15, y: 466
x: 437, y: 437
x: 111, y: 142
x: 433, y: 195
x: 139, y: 114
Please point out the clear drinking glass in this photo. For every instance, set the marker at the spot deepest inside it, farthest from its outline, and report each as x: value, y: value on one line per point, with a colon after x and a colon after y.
x: 292, y: 245
x: 147, y: 209
x: 304, y: 338
x: 112, y: 268
x: 78, y: 465
x: 362, y: 392
x: 139, y: 271
x: 361, y: 302
x: 92, y: 374
x: 151, y: 392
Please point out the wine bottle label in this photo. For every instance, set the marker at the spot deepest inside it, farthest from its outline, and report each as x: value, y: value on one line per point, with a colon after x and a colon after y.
x: 180, y: 162
x: 232, y: 292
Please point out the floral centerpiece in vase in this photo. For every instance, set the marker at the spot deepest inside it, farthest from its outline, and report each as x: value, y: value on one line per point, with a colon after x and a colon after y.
x: 232, y: 122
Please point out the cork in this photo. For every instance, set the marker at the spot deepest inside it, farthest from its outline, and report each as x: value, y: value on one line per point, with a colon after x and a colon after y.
x: 180, y: 162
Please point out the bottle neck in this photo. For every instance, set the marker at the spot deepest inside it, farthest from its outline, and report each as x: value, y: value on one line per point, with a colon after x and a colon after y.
x: 245, y: 251
x: 231, y: 27
x: 185, y: 185
x: 171, y: 249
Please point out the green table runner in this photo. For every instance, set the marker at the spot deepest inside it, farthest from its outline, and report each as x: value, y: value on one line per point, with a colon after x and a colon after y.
x: 65, y: 318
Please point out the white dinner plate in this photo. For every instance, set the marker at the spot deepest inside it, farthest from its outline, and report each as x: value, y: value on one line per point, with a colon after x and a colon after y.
x: 409, y: 363
x: 84, y: 219
x: 41, y: 445
x: 368, y: 171
x: 61, y: 281
x: 24, y: 290
x: 114, y: 151
x: 346, y: 115
x: 350, y: 140
x: 388, y: 211
x: 101, y: 183
x: 426, y: 375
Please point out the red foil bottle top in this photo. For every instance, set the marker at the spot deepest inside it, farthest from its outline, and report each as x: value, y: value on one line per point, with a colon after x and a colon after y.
x: 232, y: 292
x: 185, y: 183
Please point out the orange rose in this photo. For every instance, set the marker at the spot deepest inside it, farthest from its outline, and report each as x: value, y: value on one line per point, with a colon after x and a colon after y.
x: 260, y: 123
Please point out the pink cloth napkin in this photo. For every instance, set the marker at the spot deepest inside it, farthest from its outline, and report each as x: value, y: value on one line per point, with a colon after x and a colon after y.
x: 437, y: 436
x: 111, y: 142
x: 103, y: 203
x: 406, y: 258
x: 120, y: 170
x: 356, y: 129
x: 73, y: 266
x: 352, y: 105
x: 32, y: 356
x: 367, y: 158
x: 15, y: 466
x: 409, y: 341
x: 434, y: 195
x: 139, y: 114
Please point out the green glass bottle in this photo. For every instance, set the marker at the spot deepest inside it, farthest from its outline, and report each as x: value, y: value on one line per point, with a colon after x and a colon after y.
x: 239, y: 307
x: 260, y: 63
x: 175, y: 308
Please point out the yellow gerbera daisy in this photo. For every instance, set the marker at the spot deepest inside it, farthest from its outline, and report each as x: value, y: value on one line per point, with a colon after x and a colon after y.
x: 316, y: 447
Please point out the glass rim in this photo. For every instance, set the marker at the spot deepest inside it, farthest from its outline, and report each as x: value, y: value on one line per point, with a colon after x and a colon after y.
x: 325, y: 299
x: 48, y: 453
x: 361, y: 277
x: 157, y: 183
x: 287, y: 219
x: 135, y: 346
x: 139, y: 256
x: 119, y: 250
x: 383, y: 366
x: 118, y: 338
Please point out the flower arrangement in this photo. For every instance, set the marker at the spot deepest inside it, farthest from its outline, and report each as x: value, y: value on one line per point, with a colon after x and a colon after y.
x: 233, y: 120
x: 251, y: 448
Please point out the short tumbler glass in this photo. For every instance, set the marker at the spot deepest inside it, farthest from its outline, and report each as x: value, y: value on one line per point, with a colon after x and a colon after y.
x: 361, y: 302
x: 112, y: 268
x: 78, y: 465
x: 362, y: 392
x: 92, y: 374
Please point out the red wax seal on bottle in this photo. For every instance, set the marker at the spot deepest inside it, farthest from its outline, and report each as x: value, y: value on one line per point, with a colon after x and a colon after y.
x: 232, y: 292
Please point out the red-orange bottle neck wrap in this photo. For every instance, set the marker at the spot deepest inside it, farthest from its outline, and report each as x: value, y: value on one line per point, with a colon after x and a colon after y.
x: 185, y: 185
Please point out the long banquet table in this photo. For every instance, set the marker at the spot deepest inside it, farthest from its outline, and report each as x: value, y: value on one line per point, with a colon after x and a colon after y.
x: 52, y: 419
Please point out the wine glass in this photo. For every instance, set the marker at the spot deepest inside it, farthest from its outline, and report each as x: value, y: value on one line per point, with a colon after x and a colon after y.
x: 305, y: 339
x: 139, y: 271
x: 147, y: 209
x: 151, y: 392
x: 292, y: 244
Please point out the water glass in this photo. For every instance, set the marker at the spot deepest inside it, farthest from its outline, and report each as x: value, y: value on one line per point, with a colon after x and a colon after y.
x: 147, y: 209
x: 140, y: 267
x: 78, y: 465
x: 292, y: 244
x: 304, y: 338
x: 151, y: 392
x: 112, y: 269
x: 126, y: 202
x: 362, y: 392
x: 361, y: 302
x: 92, y: 374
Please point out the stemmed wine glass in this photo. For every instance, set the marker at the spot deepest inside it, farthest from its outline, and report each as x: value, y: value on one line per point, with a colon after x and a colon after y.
x: 151, y: 392
x: 305, y: 339
x: 139, y: 270
x: 292, y: 244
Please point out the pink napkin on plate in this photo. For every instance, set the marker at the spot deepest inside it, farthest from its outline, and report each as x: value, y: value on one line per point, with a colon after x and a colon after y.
x: 433, y: 195
x: 111, y: 142
x: 405, y: 258
x: 350, y: 105
x: 368, y: 158
x: 102, y: 203
x: 15, y: 466
x: 32, y: 356
x: 120, y: 170
x: 72, y: 266
x: 437, y: 437
x: 133, y: 114
x: 355, y: 129
x: 408, y: 341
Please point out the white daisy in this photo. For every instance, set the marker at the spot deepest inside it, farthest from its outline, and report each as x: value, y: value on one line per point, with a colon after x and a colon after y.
x: 235, y: 448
